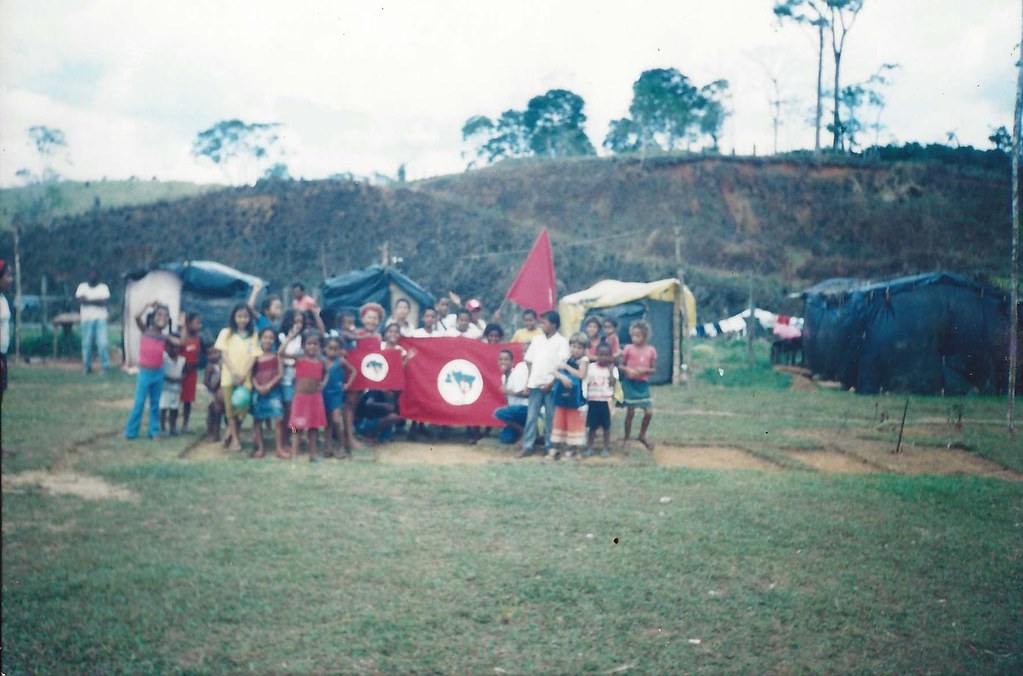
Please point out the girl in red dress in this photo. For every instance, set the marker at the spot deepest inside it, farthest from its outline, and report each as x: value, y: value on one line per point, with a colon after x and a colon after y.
x: 307, y: 410
x: 191, y: 348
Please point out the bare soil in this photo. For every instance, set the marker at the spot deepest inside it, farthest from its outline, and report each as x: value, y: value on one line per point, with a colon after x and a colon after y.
x: 853, y: 452
x: 82, y: 486
x: 709, y: 457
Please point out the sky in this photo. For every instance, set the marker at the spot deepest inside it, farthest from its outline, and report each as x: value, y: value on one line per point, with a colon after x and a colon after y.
x: 365, y: 87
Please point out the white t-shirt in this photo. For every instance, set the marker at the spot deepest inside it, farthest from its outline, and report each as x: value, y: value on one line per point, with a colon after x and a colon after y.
x: 516, y: 382
x: 598, y: 382
x: 544, y: 354
x: 5, y: 324
x: 423, y: 333
x: 473, y: 332
x: 98, y: 292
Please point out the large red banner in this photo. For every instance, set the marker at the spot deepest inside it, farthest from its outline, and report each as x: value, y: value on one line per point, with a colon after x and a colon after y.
x: 452, y: 381
x: 376, y: 369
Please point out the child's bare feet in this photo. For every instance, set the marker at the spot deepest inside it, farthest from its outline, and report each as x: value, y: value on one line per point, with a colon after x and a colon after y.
x: 648, y: 445
x: 283, y: 455
x: 258, y: 453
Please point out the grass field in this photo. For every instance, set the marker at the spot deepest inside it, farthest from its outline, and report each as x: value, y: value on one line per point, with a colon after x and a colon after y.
x: 169, y: 563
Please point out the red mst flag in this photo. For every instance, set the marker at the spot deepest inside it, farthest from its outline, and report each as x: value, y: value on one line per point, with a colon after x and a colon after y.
x: 452, y: 381
x: 376, y: 369
x: 533, y: 288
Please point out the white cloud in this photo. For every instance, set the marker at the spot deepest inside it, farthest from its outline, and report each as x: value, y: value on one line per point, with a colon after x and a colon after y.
x: 365, y: 87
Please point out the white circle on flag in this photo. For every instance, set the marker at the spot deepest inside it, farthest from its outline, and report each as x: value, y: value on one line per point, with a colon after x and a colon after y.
x: 460, y: 382
x: 373, y: 367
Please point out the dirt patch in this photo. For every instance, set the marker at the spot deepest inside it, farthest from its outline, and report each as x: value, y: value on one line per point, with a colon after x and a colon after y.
x: 119, y: 404
x: 709, y: 457
x: 214, y: 450
x: 400, y: 453
x: 914, y: 459
x: 825, y: 460
x: 70, y: 483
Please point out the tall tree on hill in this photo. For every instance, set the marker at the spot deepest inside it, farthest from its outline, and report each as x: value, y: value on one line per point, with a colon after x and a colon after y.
x: 841, y: 17
x: 857, y: 99
x: 554, y: 124
x: 668, y: 112
x: 550, y: 126
x: 809, y: 13
x: 242, y: 151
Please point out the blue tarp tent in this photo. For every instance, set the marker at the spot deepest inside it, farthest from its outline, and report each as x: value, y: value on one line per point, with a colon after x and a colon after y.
x: 926, y: 334
x: 375, y: 284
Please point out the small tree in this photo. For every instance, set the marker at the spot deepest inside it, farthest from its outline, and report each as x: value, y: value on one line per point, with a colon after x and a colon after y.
x: 857, y: 100
x: 841, y: 17
x: 242, y: 151
x: 809, y: 13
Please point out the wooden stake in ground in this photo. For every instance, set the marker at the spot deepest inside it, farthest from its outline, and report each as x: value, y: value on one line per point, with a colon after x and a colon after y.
x: 898, y: 444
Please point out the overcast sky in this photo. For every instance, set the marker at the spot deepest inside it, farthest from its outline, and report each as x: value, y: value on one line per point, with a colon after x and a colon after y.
x: 364, y: 87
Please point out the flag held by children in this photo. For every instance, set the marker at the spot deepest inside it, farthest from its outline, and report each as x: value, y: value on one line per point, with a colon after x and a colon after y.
x: 533, y: 288
x: 376, y: 369
x: 452, y: 381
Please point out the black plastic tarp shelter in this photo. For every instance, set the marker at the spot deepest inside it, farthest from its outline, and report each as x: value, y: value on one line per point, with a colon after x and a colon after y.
x: 926, y: 334
x: 206, y: 287
x: 375, y: 284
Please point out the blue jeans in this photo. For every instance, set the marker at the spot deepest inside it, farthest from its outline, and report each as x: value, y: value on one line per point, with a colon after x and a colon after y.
x: 149, y: 384
x: 95, y: 331
x: 538, y: 399
x: 513, y: 413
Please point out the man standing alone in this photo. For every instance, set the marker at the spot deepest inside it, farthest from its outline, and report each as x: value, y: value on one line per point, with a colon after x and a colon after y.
x: 93, y: 296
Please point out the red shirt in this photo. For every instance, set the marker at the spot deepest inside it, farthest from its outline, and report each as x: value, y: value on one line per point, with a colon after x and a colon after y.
x: 634, y: 356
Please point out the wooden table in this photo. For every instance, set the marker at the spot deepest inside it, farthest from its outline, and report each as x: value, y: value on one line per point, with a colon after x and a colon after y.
x: 65, y: 321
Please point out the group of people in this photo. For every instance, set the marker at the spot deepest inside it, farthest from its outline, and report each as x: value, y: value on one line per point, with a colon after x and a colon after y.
x: 290, y: 371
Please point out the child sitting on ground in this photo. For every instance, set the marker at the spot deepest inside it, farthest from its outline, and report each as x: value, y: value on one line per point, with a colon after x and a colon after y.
x: 170, y: 396
x: 600, y: 389
x: 639, y: 361
x: 569, y: 429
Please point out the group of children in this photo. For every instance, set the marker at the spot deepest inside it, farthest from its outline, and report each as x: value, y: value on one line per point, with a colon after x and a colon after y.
x: 292, y: 375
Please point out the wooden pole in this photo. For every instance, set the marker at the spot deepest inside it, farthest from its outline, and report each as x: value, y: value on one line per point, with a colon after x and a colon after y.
x: 17, y: 293
x: 750, y: 324
x: 1017, y: 147
x: 681, y: 340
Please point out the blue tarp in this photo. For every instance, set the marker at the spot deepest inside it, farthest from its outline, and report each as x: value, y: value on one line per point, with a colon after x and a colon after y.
x: 926, y: 334
x: 369, y: 285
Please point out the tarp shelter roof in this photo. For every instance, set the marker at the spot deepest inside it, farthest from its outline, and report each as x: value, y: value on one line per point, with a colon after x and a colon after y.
x: 372, y: 284
x: 842, y: 286
x: 610, y: 292
x: 206, y: 277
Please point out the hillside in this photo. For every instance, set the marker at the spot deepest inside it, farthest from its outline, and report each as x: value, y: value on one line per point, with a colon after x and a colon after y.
x: 790, y: 222
x: 77, y: 197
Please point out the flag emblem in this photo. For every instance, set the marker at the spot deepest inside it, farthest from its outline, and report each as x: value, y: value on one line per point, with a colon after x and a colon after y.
x: 460, y: 382
x: 374, y: 367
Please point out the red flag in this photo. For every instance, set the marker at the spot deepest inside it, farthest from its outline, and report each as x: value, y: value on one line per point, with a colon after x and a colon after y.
x: 533, y: 288
x: 376, y: 369
x: 452, y: 381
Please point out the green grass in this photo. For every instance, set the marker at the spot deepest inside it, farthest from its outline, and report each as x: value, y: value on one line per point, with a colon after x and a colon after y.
x: 238, y: 565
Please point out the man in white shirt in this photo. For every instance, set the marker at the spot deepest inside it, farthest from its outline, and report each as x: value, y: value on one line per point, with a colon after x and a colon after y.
x: 93, y: 296
x: 513, y: 384
x: 6, y: 279
x: 543, y: 356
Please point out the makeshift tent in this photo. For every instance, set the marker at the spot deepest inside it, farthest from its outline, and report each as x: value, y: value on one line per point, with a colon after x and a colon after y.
x: 375, y: 284
x: 209, y: 288
x: 926, y: 334
x: 660, y: 303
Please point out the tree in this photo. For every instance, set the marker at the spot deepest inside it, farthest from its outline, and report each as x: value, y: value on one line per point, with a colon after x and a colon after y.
x: 856, y: 98
x: 668, y: 112
x: 809, y: 13
x: 554, y: 125
x: 841, y: 17
x: 550, y: 126
x: 245, y: 148
x: 1001, y: 139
